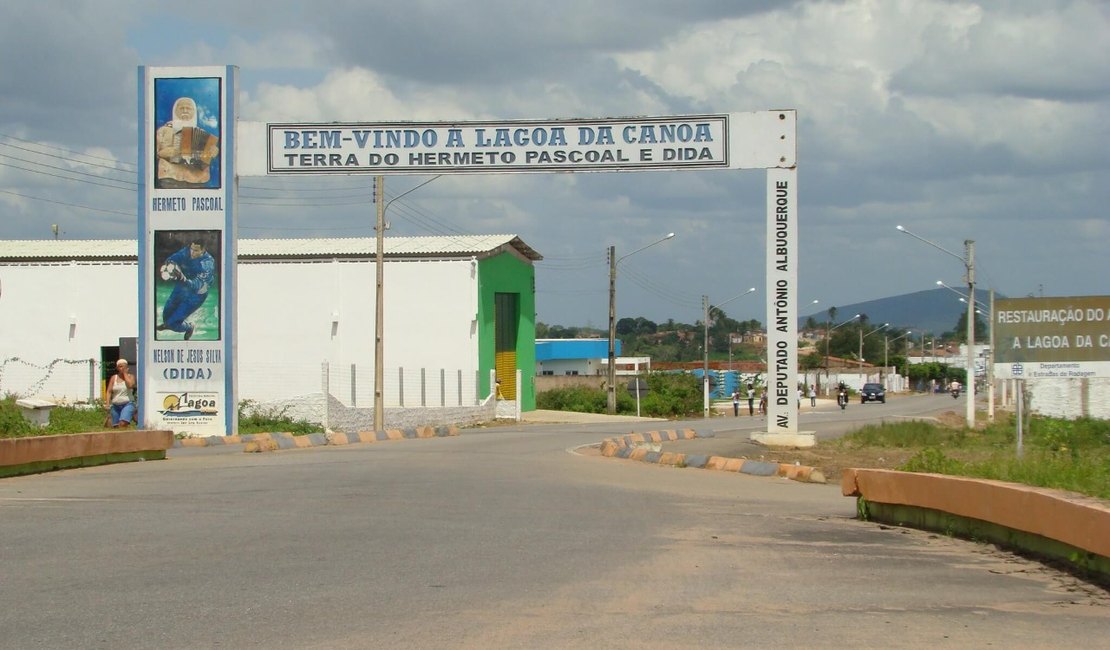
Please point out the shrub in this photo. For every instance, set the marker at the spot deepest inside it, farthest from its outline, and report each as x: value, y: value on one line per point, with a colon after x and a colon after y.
x: 63, y: 419
x: 669, y: 395
x: 934, y: 461
x: 255, y: 419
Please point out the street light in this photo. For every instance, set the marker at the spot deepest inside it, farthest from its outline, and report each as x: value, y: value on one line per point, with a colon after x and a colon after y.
x: 705, y: 362
x: 983, y: 310
x: 613, y: 262
x: 886, y: 346
x: 861, y: 335
x: 963, y: 296
x: 828, y: 335
x: 968, y: 260
x: 379, y: 294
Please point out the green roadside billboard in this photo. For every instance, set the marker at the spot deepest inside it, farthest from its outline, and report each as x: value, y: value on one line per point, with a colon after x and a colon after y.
x: 1061, y: 337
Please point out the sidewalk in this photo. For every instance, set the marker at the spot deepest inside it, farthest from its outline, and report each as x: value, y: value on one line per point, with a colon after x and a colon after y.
x: 570, y: 417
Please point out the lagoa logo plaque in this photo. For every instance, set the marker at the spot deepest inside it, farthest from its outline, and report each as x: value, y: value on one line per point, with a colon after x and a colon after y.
x: 192, y: 404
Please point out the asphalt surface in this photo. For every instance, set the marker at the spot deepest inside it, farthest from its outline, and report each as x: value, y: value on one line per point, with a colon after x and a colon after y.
x: 505, y: 537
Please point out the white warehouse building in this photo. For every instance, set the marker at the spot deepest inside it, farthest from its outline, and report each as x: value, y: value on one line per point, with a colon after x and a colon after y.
x: 456, y: 309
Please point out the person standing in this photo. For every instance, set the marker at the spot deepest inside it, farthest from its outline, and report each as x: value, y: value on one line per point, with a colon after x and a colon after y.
x: 121, y: 396
x: 812, y: 396
x: 751, y: 400
x: 736, y: 403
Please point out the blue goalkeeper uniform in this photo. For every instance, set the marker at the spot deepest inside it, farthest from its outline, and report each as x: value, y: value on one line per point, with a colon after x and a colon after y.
x: 197, y: 274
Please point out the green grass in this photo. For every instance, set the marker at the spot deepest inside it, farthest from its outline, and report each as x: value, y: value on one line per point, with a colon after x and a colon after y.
x: 669, y: 395
x: 1069, y: 455
x: 63, y: 419
x: 84, y: 419
x: 253, y: 419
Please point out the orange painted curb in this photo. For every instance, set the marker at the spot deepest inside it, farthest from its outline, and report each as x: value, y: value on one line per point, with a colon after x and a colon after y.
x: 733, y: 464
x: 1082, y: 522
x: 36, y: 449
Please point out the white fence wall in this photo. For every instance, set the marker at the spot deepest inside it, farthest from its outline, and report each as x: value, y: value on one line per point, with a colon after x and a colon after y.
x: 292, y: 315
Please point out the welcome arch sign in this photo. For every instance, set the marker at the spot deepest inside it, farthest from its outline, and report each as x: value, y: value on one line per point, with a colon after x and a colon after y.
x: 726, y: 141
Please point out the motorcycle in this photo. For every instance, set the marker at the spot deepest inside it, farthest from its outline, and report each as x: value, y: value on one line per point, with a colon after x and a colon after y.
x: 955, y: 393
x: 842, y: 399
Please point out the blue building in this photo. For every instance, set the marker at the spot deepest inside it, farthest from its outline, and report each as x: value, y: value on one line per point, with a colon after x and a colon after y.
x: 573, y: 356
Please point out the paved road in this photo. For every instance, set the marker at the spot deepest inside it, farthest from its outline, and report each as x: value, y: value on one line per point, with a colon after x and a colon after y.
x: 497, y: 538
x: 827, y: 421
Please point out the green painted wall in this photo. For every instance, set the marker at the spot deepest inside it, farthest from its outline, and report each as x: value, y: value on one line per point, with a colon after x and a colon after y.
x: 506, y: 273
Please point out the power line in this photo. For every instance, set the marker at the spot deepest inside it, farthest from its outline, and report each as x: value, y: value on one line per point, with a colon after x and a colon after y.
x: 282, y: 196
x: 76, y: 153
x: 68, y: 171
x: 72, y: 205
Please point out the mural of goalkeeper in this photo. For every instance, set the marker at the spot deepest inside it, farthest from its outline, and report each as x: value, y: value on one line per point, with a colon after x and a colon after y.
x: 194, y: 271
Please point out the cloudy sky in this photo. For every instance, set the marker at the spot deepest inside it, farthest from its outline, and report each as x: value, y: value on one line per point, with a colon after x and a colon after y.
x: 987, y: 121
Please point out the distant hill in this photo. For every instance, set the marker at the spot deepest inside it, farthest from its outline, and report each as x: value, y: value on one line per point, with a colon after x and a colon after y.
x: 933, y: 310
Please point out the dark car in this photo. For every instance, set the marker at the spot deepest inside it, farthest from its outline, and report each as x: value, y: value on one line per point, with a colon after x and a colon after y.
x: 872, y: 393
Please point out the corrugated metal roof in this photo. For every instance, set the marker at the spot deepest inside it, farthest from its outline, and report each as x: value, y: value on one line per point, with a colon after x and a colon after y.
x: 410, y: 247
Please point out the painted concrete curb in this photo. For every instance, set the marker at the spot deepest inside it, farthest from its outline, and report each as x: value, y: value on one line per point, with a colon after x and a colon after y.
x: 35, y: 454
x: 635, y: 446
x: 260, y: 442
x: 1053, y: 523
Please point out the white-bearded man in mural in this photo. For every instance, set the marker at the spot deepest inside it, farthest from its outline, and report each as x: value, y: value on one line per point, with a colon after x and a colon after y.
x: 185, y: 151
x: 194, y: 270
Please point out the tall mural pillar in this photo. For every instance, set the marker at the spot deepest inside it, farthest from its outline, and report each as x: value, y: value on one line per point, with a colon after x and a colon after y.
x: 187, y: 249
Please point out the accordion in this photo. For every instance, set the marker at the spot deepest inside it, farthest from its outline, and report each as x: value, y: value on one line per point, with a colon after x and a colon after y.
x: 198, y: 147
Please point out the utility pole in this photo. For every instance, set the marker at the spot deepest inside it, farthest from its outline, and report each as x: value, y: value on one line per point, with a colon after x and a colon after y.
x: 969, y: 244
x: 379, y: 315
x: 705, y: 362
x: 611, y: 389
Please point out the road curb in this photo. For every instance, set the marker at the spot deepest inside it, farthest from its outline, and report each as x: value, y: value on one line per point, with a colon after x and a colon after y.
x: 640, y: 446
x: 277, y: 441
x: 1057, y: 524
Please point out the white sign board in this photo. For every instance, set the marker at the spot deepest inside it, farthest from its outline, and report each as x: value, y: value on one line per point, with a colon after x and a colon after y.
x: 727, y: 141
x: 756, y: 140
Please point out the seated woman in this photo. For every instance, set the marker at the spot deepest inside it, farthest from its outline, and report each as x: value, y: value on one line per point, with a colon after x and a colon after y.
x: 121, y: 396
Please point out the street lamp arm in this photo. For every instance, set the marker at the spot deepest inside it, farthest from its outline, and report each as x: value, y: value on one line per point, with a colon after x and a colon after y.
x: 901, y: 336
x: 725, y: 302
x: 877, y: 329
x: 962, y: 295
x: 409, y: 191
x: 935, y: 245
x: 658, y: 241
x: 844, y: 323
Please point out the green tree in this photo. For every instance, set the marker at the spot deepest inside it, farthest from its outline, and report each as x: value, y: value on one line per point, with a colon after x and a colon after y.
x: 959, y: 334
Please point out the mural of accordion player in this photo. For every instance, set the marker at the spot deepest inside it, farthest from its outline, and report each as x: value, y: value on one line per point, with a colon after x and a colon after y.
x: 187, y: 139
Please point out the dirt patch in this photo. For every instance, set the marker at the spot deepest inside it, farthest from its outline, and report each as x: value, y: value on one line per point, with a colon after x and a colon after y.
x: 832, y: 461
x: 832, y: 457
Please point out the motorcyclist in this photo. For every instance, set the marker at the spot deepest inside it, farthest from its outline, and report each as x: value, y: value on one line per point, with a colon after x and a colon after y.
x: 954, y: 388
x: 842, y: 396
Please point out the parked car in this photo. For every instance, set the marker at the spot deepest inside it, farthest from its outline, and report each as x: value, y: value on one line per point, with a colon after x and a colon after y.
x: 872, y: 393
